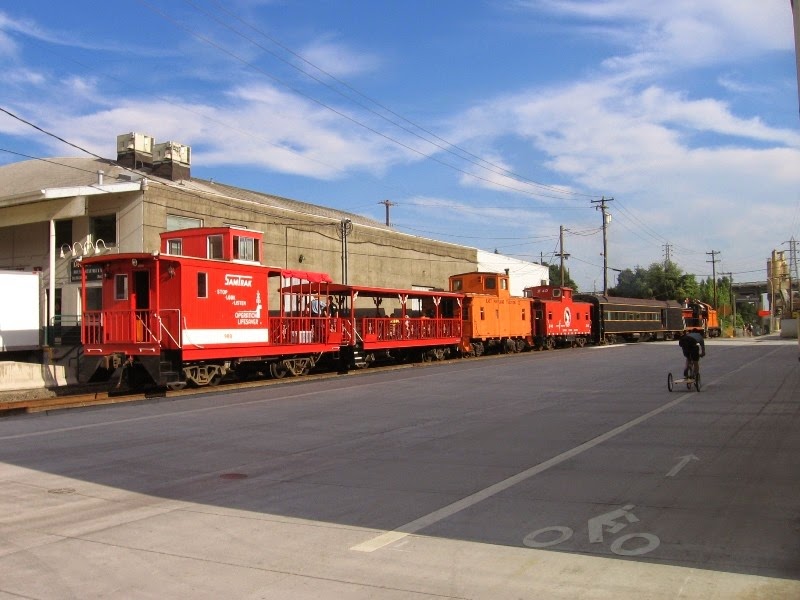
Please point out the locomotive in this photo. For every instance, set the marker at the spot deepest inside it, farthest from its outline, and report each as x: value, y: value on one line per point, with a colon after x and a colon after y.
x: 204, y: 307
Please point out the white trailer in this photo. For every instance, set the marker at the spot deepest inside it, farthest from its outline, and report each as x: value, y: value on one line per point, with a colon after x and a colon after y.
x: 20, y: 311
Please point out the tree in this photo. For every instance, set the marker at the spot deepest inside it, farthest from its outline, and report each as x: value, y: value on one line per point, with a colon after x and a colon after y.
x: 555, y: 277
x: 657, y: 281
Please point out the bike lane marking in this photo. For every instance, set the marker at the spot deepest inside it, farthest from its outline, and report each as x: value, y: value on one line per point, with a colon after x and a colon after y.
x: 416, y: 525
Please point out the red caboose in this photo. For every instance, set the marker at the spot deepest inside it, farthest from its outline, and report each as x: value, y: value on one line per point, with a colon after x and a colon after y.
x: 558, y: 321
x: 203, y: 306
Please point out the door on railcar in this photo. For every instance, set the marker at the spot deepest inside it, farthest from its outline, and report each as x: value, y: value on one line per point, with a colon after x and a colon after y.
x: 140, y: 303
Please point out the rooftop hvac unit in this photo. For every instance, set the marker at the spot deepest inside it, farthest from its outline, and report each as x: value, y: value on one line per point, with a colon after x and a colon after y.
x: 135, y: 142
x: 172, y: 151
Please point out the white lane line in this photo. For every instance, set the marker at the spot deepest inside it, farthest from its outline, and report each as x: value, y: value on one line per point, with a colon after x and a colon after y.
x: 389, y: 537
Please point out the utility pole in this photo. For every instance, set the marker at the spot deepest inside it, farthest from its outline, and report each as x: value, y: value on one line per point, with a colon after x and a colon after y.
x: 792, y: 269
x: 606, y: 221
x: 733, y: 301
x: 713, y: 262
x: 346, y: 226
x: 561, y: 253
x: 387, y: 204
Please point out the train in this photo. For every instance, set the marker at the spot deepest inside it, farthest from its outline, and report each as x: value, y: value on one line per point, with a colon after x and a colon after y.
x: 203, y: 308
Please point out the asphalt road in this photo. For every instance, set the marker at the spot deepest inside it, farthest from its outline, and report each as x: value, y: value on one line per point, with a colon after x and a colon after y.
x: 568, y: 474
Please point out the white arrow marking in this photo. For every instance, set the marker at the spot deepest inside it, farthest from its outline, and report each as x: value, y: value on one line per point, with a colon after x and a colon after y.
x: 684, y: 460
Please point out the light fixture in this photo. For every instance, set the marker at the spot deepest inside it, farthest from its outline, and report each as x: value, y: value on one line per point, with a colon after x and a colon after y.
x: 134, y: 262
x: 301, y: 258
x: 97, y: 249
x: 81, y: 249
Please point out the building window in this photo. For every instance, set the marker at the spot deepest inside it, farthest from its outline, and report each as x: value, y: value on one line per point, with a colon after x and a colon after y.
x: 245, y: 248
x: 175, y: 247
x: 104, y: 228
x: 120, y: 287
x: 202, y: 285
x: 215, y: 246
x: 63, y: 233
x: 178, y: 222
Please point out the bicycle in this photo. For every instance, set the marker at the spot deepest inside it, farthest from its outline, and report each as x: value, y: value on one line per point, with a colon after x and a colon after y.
x: 692, y: 377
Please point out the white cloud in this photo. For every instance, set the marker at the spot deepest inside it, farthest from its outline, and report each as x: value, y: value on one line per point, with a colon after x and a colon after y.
x: 337, y: 59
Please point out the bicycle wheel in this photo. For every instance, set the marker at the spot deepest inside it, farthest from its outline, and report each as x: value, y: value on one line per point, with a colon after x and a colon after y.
x: 670, y: 382
x: 697, y: 381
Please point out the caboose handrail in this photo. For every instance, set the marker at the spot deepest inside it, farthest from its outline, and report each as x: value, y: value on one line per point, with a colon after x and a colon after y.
x: 164, y: 328
x: 151, y: 337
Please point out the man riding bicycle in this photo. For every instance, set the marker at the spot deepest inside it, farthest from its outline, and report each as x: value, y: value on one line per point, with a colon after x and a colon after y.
x: 693, y: 346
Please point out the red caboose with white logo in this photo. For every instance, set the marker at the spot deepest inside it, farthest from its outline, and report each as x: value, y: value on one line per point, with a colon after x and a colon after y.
x: 558, y: 320
x: 203, y: 306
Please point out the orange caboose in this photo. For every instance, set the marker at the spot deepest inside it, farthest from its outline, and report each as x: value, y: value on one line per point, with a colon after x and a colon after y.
x: 494, y: 320
x: 558, y: 320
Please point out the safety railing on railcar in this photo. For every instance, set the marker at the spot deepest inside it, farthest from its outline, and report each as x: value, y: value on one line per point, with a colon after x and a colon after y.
x: 306, y: 330
x: 380, y: 329
x: 119, y: 327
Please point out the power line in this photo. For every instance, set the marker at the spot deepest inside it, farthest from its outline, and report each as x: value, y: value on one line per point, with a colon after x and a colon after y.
x: 444, y: 145
x: 344, y: 115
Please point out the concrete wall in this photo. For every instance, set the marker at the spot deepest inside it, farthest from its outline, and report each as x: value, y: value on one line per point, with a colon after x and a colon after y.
x: 789, y: 328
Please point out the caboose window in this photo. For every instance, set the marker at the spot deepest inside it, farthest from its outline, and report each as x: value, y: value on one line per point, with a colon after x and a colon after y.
x: 215, y: 246
x: 202, y: 285
x: 175, y: 247
x: 504, y: 284
x: 245, y: 248
x: 457, y: 285
x: 483, y: 315
x: 490, y: 283
x: 120, y: 287
x: 556, y: 293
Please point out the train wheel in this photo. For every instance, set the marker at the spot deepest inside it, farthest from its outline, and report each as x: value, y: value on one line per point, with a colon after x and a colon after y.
x: 580, y: 342
x: 278, y: 370
x: 550, y: 343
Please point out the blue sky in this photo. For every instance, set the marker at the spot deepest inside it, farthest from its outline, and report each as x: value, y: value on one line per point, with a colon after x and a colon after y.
x: 489, y: 123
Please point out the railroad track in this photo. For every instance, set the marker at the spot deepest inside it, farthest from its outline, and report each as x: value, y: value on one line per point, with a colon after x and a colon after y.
x: 81, y: 399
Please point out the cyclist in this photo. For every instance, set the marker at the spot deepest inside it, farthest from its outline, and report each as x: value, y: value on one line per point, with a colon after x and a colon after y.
x: 693, y: 346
